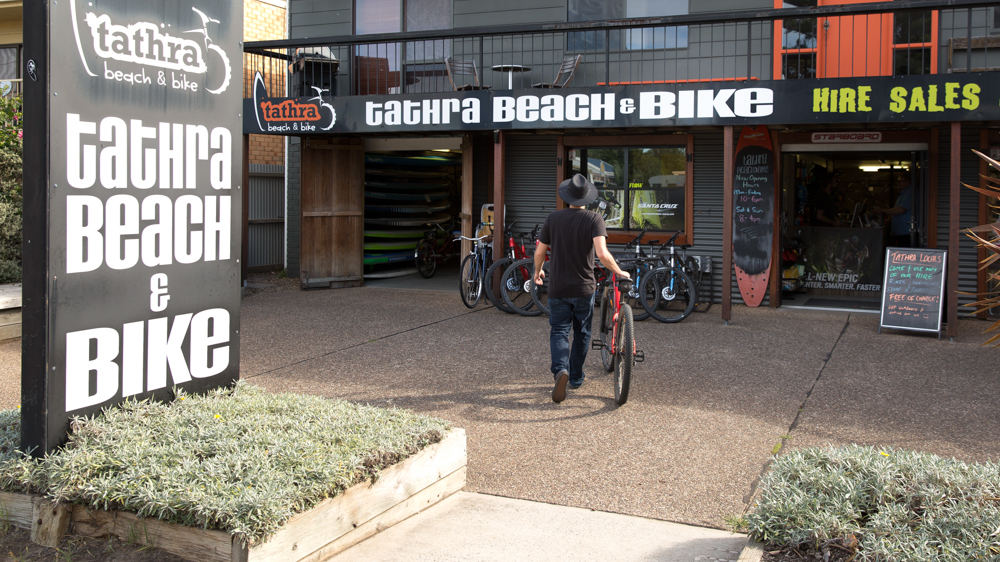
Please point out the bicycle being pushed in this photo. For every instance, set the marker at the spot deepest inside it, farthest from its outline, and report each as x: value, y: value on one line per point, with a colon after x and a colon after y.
x: 616, y: 340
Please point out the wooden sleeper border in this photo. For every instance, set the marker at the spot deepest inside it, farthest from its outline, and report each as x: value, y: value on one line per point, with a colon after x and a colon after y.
x: 336, y: 524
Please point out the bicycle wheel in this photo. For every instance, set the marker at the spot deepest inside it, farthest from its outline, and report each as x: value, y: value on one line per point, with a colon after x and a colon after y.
x: 624, y: 354
x: 632, y: 298
x: 424, y: 256
x: 515, y: 288
x: 607, y: 313
x: 470, y: 282
x: 694, y: 272
x: 497, y: 299
x: 540, y: 294
x: 669, y: 294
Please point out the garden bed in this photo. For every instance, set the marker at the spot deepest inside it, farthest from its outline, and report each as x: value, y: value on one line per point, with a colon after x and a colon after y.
x: 406, y: 463
x: 877, y: 505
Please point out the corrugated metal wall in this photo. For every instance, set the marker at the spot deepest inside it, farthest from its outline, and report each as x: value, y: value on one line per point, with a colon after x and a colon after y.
x: 530, y: 186
x: 708, y: 206
x: 266, y: 216
x: 969, y: 211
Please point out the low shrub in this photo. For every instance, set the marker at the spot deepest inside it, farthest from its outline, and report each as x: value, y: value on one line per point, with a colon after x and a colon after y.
x: 901, y: 506
x: 10, y: 189
x: 241, y: 460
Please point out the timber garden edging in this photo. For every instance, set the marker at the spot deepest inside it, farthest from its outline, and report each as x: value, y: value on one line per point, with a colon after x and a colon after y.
x: 336, y: 524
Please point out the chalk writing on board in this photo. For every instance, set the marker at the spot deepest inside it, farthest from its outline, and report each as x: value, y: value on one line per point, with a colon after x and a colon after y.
x: 913, y: 289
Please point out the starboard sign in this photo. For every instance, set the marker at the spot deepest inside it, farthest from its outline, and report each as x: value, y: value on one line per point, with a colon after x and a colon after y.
x: 141, y: 205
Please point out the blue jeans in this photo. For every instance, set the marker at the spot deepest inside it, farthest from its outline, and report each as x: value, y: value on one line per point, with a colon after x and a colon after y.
x: 564, y: 313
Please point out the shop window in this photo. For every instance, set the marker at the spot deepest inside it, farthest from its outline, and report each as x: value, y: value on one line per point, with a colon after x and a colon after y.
x: 639, y: 187
x: 912, y: 41
x: 633, y: 39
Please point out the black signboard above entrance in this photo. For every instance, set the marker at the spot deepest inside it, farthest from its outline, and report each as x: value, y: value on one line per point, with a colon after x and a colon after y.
x: 904, y: 99
x: 913, y: 289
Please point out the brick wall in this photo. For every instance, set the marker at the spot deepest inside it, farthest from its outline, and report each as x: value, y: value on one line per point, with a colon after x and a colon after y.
x: 263, y: 21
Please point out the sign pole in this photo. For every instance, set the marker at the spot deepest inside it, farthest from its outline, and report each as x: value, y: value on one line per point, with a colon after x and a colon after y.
x: 34, y: 289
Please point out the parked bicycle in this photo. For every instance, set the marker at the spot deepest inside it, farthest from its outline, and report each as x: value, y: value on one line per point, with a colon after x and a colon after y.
x: 472, y: 273
x: 616, y: 339
x: 667, y: 293
x: 434, y: 249
x: 513, y: 253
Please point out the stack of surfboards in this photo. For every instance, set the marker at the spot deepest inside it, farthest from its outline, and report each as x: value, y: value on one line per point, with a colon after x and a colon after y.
x: 405, y: 196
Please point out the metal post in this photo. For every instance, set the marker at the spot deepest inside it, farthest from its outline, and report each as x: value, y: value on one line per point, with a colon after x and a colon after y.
x: 953, y: 226
x: 727, y: 224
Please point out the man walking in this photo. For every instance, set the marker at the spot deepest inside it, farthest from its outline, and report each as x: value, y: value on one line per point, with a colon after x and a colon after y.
x: 575, y: 235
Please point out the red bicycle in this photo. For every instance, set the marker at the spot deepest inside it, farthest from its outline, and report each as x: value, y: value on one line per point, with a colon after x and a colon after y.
x: 514, y: 253
x: 617, y: 337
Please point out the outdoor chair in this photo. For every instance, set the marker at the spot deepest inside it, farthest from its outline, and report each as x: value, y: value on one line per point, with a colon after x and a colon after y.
x: 463, y: 67
x: 565, y: 74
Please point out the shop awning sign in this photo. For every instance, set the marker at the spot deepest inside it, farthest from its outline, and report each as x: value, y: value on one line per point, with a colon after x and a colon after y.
x: 903, y: 99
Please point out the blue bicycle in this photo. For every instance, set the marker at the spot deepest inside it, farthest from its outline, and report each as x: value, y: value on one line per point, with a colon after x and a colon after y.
x: 472, y: 275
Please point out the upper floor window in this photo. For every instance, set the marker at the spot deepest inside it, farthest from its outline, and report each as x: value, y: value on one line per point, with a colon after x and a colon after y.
x: 912, y: 41
x: 675, y: 37
x: 798, y: 43
x: 10, y: 66
x: 378, y: 16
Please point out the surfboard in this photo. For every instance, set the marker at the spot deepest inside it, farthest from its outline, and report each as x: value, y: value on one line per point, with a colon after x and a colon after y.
x: 389, y: 244
x: 398, y: 196
x: 390, y: 273
x: 404, y: 186
x: 753, y: 213
x: 405, y: 208
x: 401, y: 233
x: 409, y: 220
x: 405, y: 173
x: 387, y: 257
x: 395, y: 160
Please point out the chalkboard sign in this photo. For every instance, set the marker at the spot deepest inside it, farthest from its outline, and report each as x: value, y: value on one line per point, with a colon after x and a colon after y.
x: 753, y: 213
x: 913, y: 289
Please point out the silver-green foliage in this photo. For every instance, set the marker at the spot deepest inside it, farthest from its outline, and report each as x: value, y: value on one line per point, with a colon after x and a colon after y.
x: 241, y: 459
x: 901, y: 505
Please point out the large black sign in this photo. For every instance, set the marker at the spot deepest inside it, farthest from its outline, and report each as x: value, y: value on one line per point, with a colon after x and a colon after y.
x: 901, y: 99
x: 913, y: 289
x: 141, y: 206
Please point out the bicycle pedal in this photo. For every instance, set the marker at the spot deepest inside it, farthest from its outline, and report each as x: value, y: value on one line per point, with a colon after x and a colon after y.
x: 639, y: 356
x: 596, y: 344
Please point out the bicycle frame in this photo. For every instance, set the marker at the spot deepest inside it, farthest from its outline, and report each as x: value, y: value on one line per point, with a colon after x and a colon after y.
x: 617, y: 297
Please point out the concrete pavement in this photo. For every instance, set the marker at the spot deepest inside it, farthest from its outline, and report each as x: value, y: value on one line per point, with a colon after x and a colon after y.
x: 707, y: 407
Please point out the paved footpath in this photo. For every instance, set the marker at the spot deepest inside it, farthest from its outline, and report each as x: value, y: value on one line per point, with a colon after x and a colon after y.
x: 706, y: 410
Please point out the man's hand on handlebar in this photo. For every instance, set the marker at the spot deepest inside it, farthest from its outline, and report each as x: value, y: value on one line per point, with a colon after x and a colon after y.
x: 539, y: 275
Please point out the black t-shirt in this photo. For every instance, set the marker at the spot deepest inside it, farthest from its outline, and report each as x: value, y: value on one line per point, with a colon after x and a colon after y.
x: 570, y: 233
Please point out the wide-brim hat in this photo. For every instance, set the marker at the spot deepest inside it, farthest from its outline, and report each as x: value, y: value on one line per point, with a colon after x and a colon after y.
x: 578, y: 191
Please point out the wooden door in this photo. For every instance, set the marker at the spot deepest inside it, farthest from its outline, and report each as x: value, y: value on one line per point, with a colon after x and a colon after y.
x: 850, y: 46
x: 332, y: 213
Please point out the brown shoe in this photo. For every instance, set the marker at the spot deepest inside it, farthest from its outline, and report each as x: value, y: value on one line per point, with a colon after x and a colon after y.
x: 559, y: 392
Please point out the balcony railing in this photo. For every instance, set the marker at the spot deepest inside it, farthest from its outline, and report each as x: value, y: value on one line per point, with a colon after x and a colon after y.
x: 879, y: 39
x: 11, y: 87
